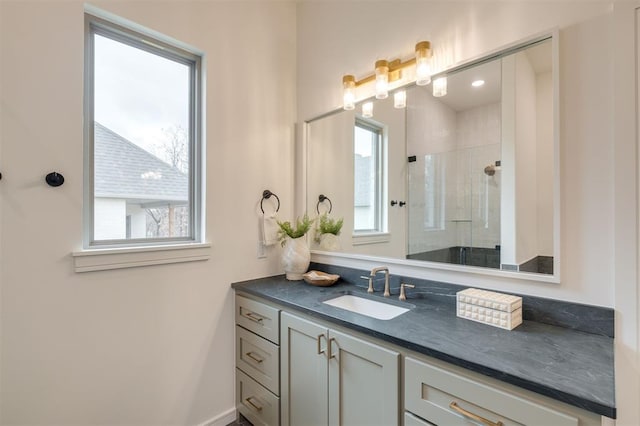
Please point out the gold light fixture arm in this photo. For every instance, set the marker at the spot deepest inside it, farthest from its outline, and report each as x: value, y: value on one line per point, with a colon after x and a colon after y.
x: 395, y: 73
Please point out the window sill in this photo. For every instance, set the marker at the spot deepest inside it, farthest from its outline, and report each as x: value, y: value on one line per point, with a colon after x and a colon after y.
x: 372, y: 238
x: 120, y: 258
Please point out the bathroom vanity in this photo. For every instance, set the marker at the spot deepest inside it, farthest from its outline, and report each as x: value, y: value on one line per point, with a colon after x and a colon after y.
x: 303, y: 361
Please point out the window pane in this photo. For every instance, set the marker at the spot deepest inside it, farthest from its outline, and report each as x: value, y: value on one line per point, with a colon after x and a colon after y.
x: 141, y: 143
x: 434, y: 184
x: 366, y: 179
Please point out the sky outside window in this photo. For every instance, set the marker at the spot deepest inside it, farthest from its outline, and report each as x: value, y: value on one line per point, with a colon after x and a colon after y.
x: 139, y: 95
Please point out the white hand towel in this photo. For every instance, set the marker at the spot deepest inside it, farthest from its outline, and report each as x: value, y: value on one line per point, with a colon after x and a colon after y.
x: 269, y: 229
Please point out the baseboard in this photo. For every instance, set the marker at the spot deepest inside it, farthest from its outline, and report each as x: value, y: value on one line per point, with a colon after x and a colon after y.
x: 222, y: 420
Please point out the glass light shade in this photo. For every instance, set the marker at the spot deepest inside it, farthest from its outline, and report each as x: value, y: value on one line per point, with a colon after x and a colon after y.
x: 400, y: 99
x: 382, y: 79
x: 367, y: 109
x: 349, y: 92
x: 423, y: 71
x: 423, y: 63
x: 440, y: 87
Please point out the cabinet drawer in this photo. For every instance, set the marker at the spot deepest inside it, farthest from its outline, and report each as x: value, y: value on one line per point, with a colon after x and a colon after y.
x: 256, y: 403
x: 445, y: 398
x: 411, y: 420
x: 259, y: 358
x: 257, y: 317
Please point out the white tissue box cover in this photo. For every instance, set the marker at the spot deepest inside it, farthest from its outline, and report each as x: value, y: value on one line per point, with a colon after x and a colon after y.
x: 490, y: 299
x: 488, y: 307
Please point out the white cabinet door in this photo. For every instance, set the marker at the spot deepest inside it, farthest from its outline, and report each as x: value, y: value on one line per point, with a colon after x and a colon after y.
x: 304, y: 370
x: 332, y: 378
x: 363, y: 382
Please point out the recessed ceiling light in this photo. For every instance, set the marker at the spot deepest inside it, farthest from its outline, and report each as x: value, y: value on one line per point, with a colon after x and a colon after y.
x: 477, y: 83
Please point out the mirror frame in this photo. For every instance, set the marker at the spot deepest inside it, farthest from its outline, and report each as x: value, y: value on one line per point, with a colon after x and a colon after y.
x: 442, y: 270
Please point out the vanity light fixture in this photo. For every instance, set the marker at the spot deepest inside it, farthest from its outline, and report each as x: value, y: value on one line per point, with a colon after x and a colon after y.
x: 400, y: 99
x: 439, y: 87
x: 423, y: 63
x: 390, y: 71
x: 349, y: 96
x: 477, y: 83
x: 382, y: 79
x: 367, y: 109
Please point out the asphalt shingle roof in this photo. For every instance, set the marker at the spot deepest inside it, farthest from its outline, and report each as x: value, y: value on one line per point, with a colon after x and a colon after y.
x: 124, y: 170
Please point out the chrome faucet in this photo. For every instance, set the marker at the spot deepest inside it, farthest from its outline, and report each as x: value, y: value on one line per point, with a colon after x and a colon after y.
x: 374, y: 271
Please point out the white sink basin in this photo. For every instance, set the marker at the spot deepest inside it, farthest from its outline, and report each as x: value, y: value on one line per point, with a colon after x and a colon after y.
x: 370, y: 308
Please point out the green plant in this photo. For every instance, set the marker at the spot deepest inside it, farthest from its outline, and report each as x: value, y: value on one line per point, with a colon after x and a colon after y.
x: 287, y: 230
x: 326, y: 225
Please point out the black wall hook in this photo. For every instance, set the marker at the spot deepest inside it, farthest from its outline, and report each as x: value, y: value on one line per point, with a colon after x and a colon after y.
x: 321, y: 199
x: 54, y: 179
x: 266, y: 194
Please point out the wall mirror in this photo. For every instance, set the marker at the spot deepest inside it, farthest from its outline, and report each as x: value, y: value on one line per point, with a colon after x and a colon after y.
x: 466, y: 180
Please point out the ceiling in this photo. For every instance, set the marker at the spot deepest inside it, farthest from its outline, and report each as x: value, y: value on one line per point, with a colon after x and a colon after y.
x: 461, y: 95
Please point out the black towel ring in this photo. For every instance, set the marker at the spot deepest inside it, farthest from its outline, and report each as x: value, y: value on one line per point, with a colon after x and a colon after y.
x: 266, y: 194
x: 322, y: 198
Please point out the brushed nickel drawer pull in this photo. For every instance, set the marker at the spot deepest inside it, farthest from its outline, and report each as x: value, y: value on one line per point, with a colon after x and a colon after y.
x: 254, y: 357
x: 320, y: 350
x: 254, y: 317
x: 331, y: 354
x: 455, y: 407
x: 256, y: 407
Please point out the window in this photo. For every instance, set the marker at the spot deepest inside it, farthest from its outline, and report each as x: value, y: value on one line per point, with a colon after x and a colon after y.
x: 143, y: 139
x: 368, y: 178
x: 434, y: 191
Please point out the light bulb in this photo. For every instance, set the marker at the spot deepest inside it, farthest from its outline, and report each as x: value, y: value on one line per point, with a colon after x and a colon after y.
x: 400, y: 99
x: 349, y: 92
x: 382, y: 79
x: 423, y: 63
x: 440, y: 87
x: 477, y: 83
x: 367, y: 109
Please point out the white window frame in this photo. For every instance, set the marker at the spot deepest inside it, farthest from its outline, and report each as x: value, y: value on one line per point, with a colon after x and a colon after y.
x: 154, y: 45
x: 127, y: 254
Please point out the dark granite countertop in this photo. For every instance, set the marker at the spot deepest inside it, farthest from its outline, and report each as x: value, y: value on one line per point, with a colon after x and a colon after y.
x: 568, y: 365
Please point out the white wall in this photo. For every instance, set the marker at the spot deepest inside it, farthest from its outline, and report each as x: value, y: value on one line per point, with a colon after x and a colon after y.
x: 110, y: 216
x: 529, y: 228
x: 526, y: 194
x: 138, y: 220
x: 625, y: 88
x: 141, y: 346
x: 545, y: 161
x: 598, y: 210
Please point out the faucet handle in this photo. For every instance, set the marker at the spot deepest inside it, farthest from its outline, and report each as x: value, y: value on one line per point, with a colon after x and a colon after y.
x: 370, y: 278
x: 402, y: 293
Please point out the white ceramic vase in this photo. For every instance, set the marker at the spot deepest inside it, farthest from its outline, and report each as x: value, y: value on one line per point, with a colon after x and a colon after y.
x: 329, y: 242
x: 295, y: 258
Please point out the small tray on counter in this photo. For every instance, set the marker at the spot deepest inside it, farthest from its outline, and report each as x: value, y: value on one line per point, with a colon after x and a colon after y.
x: 320, y: 279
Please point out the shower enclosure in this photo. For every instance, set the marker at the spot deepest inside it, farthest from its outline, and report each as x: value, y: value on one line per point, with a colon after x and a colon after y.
x: 454, y: 182
x: 455, y: 207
